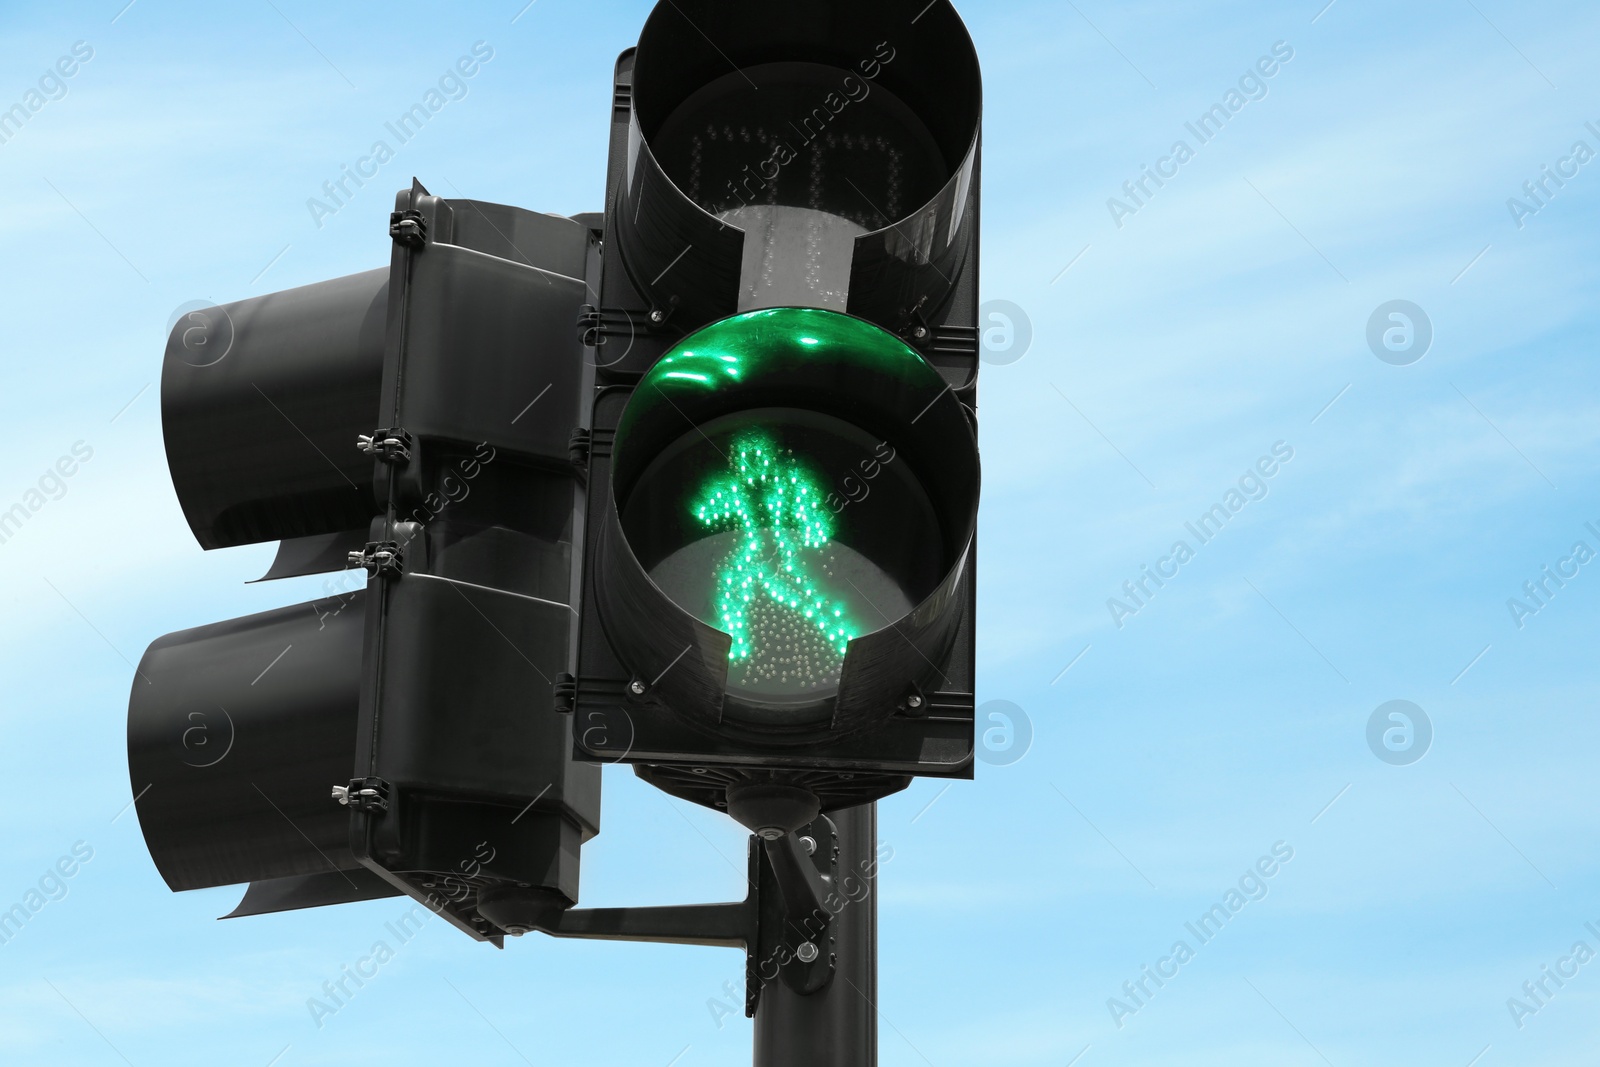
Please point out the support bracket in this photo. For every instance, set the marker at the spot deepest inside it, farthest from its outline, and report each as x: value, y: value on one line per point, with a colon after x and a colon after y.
x: 784, y: 924
x: 797, y: 928
x: 383, y: 559
x: 363, y: 794
x: 391, y: 445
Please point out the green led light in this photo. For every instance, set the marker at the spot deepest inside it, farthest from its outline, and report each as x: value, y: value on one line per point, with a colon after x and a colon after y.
x: 779, y: 520
x: 746, y: 348
x: 722, y: 464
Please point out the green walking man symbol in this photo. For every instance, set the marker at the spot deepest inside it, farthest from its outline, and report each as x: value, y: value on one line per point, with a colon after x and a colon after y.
x: 773, y: 505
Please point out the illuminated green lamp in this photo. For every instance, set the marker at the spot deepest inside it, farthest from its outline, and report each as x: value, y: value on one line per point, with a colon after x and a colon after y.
x: 764, y: 486
x: 773, y: 505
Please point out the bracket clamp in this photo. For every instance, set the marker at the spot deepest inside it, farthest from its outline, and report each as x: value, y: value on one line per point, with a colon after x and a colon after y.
x: 566, y: 693
x: 408, y: 227
x: 363, y: 794
x: 382, y: 559
x: 786, y: 925
x: 388, y: 446
x: 591, y: 326
x: 797, y: 929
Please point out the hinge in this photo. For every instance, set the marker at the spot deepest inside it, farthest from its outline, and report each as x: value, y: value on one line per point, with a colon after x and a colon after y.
x: 578, y: 448
x: 566, y: 693
x: 382, y: 559
x: 591, y: 326
x: 389, y: 446
x: 363, y: 794
x: 408, y: 227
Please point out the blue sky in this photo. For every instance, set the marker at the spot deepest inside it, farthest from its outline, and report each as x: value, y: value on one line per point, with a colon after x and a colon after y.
x: 1229, y: 313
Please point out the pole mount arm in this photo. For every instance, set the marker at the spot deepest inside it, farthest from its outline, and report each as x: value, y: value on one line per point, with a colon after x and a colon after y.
x: 716, y: 925
x: 785, y: 924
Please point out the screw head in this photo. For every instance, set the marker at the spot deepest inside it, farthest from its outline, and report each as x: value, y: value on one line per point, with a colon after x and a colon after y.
x: 636, y: 687
x: 914, y: 701
x: 807, y: 952
x: 810, y: 845
x: 658, y: 316
x: 920, y: 333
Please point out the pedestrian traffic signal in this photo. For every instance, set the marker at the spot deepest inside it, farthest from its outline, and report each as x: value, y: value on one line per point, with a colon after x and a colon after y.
x: 699, y: 472
x: 397, y: 735
x: 777, y: 610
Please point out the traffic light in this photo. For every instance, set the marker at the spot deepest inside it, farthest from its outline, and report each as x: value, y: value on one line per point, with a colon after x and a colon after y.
x: 776, y: 615
x: 690, y: 485
x: 397, y: 735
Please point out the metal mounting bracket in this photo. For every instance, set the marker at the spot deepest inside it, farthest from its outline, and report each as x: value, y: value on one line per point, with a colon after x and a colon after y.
x: 408, y: 227
x: 382, y: 559
x: 363, y: 794
x: 797, y: 928
x: 784, y: 924
x: 390, y: 446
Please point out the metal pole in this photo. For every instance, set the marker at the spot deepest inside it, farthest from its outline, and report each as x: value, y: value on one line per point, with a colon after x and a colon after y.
x: 837, y: 1026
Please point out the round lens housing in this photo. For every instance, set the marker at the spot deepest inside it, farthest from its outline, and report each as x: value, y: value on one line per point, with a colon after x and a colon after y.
x: 816, y: 152
x: 794, y: 496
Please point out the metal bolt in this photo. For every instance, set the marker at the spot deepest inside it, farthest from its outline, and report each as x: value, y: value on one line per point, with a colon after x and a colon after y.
x: 636, y: 687
x: 914, y: 701
x: 807, y: 952
x: 920, y: 333
x: 658, y: 316
x: 810, y: 845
